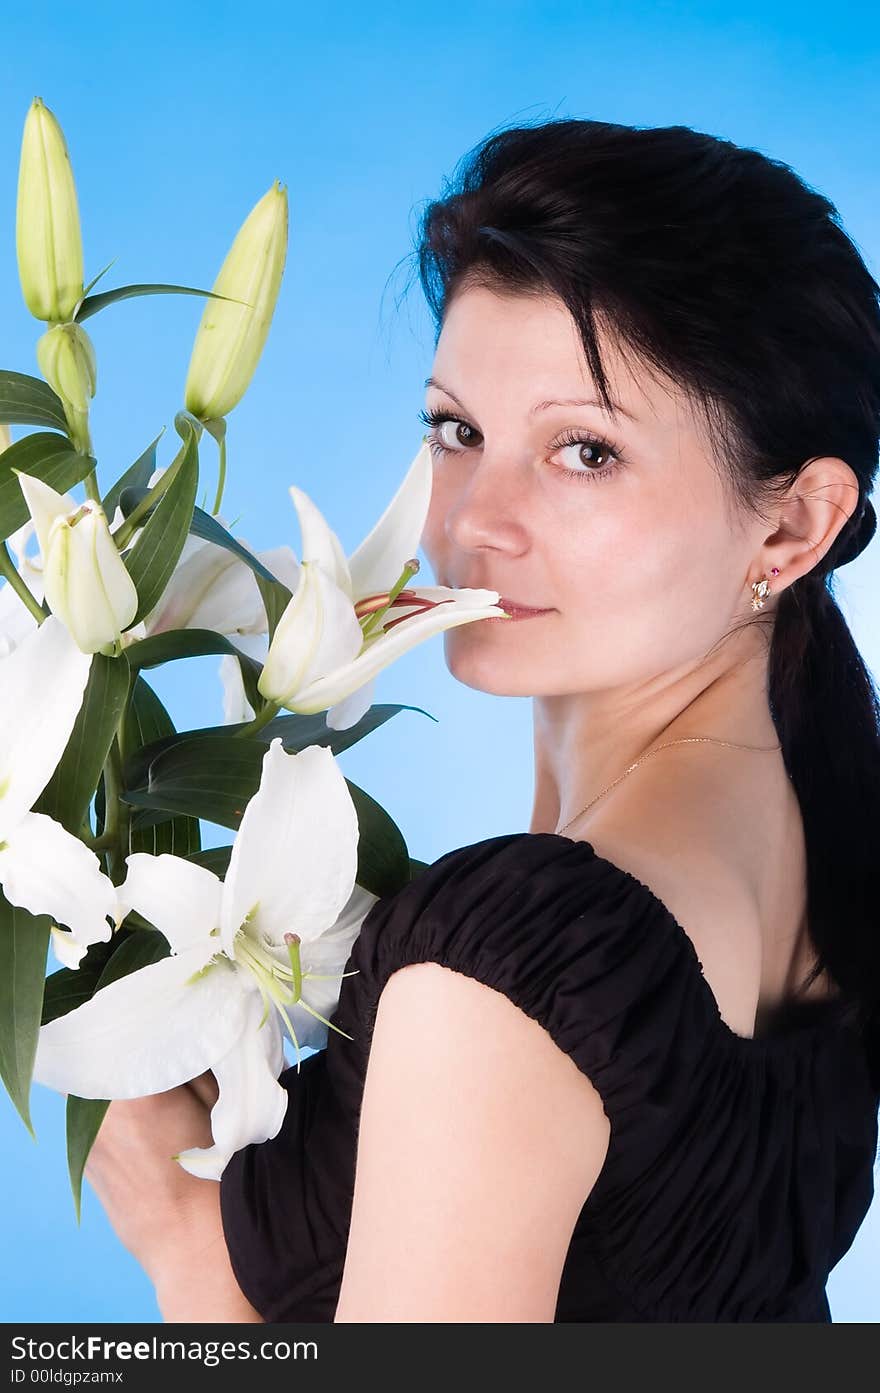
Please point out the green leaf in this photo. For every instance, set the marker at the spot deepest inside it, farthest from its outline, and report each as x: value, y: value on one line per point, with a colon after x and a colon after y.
x: 213, y: 858
x: 68, y: 987
x: 83, y: 1121
x: 68, y: 794
x: 295, y: 732
x: 172, y: 644
x: 383, y: 859
x: 93, y: 303
x: 214, y: 778
x: 152, y: 559
x: 24, y: 941
x: 137, y: 475
x: 208, y: 529
x: 85, y: 1115
x: 29, y: 401
x: 146, y: 723
x: 416, y: 867
x: 47, y: 456
x: 209, y: 777
x: 276, y: 598
x: 138, y: 948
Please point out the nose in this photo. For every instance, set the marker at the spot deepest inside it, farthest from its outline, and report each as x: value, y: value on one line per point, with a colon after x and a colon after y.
x: 486, y: 507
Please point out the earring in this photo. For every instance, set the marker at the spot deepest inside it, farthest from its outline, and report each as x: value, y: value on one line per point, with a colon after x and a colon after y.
x: 761, y: 589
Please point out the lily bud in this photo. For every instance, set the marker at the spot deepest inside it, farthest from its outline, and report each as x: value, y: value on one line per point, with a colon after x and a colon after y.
x: 86, y: 582
x: 67, y: 360
x: 5, y: 437
x: 47, y: 231
x: 231, y: 336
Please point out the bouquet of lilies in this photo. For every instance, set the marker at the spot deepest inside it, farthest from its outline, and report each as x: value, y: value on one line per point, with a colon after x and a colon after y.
x: 176, y: 959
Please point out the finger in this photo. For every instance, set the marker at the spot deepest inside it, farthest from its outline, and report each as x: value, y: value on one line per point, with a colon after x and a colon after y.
x: 206, y: 1088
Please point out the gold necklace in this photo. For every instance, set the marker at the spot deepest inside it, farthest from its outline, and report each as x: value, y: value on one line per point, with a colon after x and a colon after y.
x: 683, y: 740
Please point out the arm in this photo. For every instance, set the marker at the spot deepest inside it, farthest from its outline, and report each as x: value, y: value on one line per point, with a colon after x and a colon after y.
x: 198, y: 1284
x: 479, y: 1142
x: 169, y: 1220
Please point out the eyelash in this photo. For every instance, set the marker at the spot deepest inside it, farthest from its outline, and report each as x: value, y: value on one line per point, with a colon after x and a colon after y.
x: 435, y: 419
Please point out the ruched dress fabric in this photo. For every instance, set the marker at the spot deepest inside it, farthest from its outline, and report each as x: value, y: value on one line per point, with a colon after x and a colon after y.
x: 738, y: 1170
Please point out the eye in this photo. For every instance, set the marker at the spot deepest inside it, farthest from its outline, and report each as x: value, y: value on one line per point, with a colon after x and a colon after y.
x: 582, y: 442
x: 437, y: 420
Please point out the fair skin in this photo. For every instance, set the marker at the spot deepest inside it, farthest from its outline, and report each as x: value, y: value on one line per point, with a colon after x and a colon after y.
x: 479, y: 1139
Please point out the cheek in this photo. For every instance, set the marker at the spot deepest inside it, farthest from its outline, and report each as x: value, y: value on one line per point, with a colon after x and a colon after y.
x: 635, y: 608
x: 434, y: 534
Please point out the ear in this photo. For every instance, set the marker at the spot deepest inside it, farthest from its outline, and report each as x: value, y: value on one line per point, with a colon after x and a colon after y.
x: 821, y: 501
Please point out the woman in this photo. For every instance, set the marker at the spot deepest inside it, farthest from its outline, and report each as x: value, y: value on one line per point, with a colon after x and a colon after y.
x: 625, y: 1065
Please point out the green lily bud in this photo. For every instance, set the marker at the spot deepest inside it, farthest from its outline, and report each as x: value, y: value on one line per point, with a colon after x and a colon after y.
x: 67, y: 360
x: 231, y: 336
x: 47, y: 232
x: 86, y: 580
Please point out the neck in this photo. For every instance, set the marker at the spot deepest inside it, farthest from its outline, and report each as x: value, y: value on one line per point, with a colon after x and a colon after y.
x: 584, y: 741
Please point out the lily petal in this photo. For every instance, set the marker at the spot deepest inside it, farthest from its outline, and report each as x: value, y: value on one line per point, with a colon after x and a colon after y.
x: 45, y: 505
x: 294, y: 858
x: 467, y: 607
x: 147, y: 1032
x: 16, y: 619
x: 47, y: 870
x: 350, y: 709
x: 236, y: 706
x: 282, y: 562
x: 318, y: 632
x: 379, y: 560
x: 190, y: 588
x: 251, y: 1104
x: 68, y: 951
x: 41, y: 690
x: 325, y: 961
x: 19, y: 539
x: 180, y: 897
x: 320, y: 544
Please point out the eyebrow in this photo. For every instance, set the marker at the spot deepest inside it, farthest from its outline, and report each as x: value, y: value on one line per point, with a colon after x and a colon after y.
x: 543, y: 405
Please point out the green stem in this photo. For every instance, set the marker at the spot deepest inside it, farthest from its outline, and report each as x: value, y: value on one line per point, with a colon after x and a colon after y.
x: 221, y: 476
x: 98, y: 844
x: 126, y: 530
x: 117, y: 815
x: 90, y: 482
x: 261, y: 719
x: 9, y: 570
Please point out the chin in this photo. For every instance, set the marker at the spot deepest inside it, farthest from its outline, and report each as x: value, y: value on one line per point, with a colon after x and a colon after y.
x: 475, y: 665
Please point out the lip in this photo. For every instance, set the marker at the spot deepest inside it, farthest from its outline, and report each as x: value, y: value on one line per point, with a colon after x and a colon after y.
x: 514, y: 609
x: 517, y: 611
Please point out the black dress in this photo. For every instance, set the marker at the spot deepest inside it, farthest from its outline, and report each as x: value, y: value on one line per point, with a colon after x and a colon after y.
x: 738, y: 1170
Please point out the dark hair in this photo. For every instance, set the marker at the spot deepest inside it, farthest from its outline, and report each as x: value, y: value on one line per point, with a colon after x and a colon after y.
x: 719, y: 267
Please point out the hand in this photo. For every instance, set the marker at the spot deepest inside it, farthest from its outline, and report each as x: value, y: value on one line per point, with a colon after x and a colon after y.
x: 163, y: 1215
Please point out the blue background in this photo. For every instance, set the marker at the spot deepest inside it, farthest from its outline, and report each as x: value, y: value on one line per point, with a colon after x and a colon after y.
x: 178, y: 118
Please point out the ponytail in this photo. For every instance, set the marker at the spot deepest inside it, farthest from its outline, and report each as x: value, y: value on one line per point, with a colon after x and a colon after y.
x: 827, y: 714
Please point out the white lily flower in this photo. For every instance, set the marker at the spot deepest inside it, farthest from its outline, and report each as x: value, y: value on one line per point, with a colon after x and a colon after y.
x: 337, y: 633
x: 261, y: 952
x: 236, y: 707
x: 43, y: 867
x: 212, y: 588
x: 16, y: 619
x: 84, y: 576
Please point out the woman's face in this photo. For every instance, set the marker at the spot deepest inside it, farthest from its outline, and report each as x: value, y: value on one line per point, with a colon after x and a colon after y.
x: 633, y: 551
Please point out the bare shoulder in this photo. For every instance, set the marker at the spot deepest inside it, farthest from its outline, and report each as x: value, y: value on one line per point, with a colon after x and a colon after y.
x: 479, y: 1142
x: 689, y: 836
